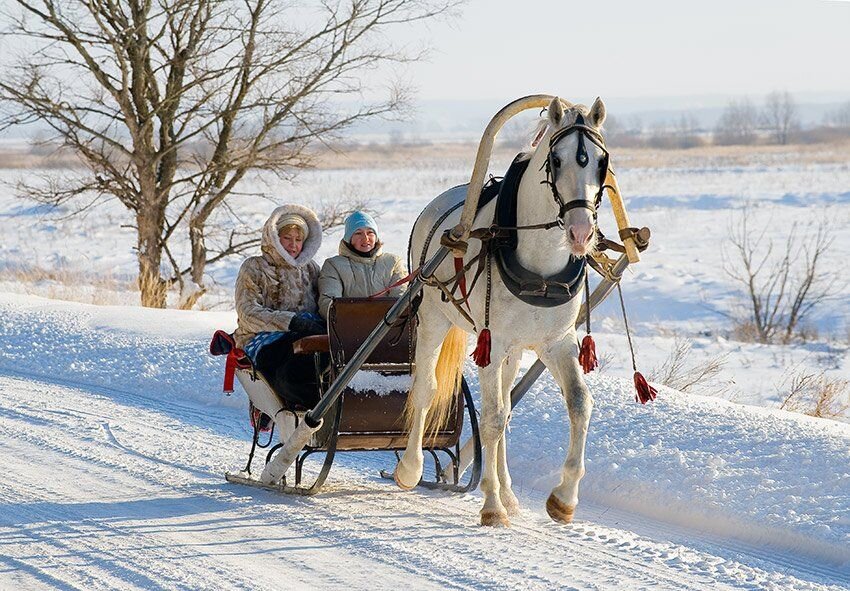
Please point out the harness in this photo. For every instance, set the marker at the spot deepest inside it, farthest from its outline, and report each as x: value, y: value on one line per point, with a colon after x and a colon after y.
x: 500, y: 238
x: 553, y: 162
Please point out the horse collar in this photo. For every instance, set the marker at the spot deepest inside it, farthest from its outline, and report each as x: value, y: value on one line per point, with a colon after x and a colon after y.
x: 528, y: 286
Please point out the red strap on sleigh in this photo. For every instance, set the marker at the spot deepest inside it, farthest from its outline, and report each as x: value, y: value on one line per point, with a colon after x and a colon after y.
x: 222, y: 343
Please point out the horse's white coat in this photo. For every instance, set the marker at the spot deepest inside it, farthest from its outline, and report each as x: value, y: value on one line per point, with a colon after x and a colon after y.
x: 514, y: 325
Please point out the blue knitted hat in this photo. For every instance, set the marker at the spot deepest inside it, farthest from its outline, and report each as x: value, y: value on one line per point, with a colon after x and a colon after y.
x: 358, y: 220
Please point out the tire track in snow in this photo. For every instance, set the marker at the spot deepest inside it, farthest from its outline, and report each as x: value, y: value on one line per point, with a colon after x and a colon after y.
x: 365, y: 536
x: 386, y: 527
x: 91, y: 454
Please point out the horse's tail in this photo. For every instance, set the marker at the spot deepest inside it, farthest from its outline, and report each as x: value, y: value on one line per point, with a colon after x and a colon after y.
x: 449, y: 372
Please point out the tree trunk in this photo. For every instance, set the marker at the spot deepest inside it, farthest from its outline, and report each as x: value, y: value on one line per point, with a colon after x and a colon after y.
x: 190, y: 296
x: 151, y: 284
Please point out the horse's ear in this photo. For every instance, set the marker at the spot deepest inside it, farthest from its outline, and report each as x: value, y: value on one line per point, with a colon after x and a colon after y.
x: 556, y: 112
x: 597, y: 112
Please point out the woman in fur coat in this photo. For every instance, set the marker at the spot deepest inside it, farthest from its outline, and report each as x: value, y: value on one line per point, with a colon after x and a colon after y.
x: 277, y: 302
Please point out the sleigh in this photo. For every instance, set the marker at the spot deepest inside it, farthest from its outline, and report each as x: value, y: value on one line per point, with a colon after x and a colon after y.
x: 369, y: 414
x: 380, y: 336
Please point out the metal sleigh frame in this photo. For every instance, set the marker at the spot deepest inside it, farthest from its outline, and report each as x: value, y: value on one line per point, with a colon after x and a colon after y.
x: 329, y: 448
x: 297, y: 447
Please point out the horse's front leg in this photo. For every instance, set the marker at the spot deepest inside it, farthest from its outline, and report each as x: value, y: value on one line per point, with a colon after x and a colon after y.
x: 494, y: 418
x: 562, y: 361
x: 408, y: 472
x: 506, y: 494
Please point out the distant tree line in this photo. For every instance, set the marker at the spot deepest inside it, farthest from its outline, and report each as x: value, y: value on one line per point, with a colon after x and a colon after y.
x: 776, y: 121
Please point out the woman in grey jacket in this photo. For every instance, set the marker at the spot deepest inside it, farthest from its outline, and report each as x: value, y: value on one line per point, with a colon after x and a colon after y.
x: 361, y: 269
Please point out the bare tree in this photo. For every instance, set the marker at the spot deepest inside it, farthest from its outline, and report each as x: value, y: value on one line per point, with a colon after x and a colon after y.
x: 839, y: 117
x: 170, y: 103
x: 737, y: 124
x: 780, y: 116
x: 687, y: 131
x: 782, y: 286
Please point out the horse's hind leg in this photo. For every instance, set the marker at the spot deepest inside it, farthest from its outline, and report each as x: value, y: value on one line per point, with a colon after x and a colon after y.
x: 423, y: 389
x: 562, y: 361
x: 506, y: 494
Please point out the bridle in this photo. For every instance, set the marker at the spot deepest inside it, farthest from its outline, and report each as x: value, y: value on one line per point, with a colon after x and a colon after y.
x: 553, y: 162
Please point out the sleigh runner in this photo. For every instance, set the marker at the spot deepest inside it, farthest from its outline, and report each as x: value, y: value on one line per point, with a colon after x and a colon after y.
x: 525, y: 238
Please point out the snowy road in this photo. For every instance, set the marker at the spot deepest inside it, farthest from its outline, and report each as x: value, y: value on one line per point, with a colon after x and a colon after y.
x: 107, y: 489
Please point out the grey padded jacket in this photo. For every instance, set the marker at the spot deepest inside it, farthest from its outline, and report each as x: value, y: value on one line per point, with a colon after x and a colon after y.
x: 352, y: 276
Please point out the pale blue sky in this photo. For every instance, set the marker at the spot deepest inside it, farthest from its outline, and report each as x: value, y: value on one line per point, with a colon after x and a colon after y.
x: 639, y: 48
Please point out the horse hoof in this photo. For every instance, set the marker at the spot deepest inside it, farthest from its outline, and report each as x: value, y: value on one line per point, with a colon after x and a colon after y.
x: 512, y: 506
x: 494, y: 519
x: 558, y: 510
x: 399, y: 483
x: 402, y: 476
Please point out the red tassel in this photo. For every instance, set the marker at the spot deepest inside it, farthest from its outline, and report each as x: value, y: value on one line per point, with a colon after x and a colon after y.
x: 587, y: 355
x: 481, y: 355
x: 645, y: 392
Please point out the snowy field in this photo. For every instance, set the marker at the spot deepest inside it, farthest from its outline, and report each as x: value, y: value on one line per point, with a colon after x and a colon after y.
x: 679, y: 292
x: 116, y: 435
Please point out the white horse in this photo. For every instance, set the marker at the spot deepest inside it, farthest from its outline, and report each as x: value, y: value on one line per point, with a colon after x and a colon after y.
x: 515, y: 325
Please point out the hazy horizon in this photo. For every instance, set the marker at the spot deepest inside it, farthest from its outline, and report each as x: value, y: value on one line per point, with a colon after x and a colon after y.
x: 620, y: 48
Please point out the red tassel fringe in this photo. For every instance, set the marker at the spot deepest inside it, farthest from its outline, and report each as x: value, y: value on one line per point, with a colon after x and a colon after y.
x: 645, y: 392
x: 587, y: 355
x: 481, y: 355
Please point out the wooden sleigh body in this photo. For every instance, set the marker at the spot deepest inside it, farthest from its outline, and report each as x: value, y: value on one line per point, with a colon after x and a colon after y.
x: 369, y: 416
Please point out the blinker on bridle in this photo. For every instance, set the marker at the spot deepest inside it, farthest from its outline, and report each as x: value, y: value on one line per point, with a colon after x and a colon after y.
x: 582, y: 159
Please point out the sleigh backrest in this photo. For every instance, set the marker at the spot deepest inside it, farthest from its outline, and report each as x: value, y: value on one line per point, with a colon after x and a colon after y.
x: 352, y: 320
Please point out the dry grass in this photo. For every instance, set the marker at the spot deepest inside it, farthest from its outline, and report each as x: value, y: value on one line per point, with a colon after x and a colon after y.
x: 357, y: 156
x: 815, y: 394
x: 70, y: 285
x: 605, y: 360
x: 679, y: 373
x: 405, y: 155
x: 25, y: 158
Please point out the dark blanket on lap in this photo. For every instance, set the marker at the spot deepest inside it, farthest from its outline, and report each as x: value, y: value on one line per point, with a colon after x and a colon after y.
x: 293, y: 377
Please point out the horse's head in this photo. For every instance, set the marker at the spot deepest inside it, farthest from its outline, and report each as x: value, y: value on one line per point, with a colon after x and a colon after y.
x: 576, y: 164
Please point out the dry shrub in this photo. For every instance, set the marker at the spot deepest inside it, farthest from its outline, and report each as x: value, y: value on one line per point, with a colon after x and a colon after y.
x: 782, y: 279
x: 816, y: 394
x: 69, y: 285
x: 676, y: 372
x: 605, y: 360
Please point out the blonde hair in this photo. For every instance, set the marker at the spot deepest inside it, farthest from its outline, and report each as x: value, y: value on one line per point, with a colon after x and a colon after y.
x: 284, y: 229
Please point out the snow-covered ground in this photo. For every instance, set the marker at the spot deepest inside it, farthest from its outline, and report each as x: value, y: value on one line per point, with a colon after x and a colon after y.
x: 115, y: 438
x: 116, y: 435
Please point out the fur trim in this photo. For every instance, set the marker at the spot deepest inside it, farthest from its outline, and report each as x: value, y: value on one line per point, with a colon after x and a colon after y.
x: 271, y: 242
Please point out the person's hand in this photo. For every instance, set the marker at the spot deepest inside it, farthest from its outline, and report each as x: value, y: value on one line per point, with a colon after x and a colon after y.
x: 307, y: 323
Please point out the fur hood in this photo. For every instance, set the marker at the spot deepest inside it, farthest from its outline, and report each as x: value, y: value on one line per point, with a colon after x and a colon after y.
x: 273, y: 249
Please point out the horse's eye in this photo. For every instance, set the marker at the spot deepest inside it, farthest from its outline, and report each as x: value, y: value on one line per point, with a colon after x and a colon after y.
x: 556, y: 161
